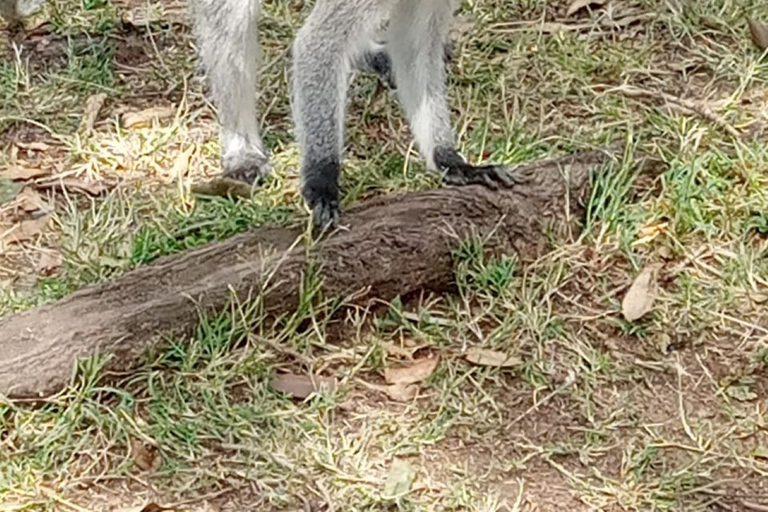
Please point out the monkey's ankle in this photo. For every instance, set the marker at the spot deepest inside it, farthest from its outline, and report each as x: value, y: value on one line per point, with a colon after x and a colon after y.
x: 251, y: 167
x: 456, y: 171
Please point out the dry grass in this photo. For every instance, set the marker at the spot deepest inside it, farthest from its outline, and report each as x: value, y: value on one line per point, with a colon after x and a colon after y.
x: 665, y: 413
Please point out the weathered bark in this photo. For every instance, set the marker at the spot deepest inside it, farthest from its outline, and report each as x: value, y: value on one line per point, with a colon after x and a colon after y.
x: 391, y: 246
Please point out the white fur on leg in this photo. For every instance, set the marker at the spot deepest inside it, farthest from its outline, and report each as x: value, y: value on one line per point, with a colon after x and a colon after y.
x: 423, y: 127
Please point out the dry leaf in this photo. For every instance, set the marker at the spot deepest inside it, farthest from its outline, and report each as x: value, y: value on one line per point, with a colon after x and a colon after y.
x: 401, y: 392
x: 92, y: 108
x: 411, y: 374
x: 578, y: 5
x: 399, y: 479
x: 759, y: 33
x: 145, y: 117
x: 49, y: 262
x: 26, y: 230
x: 17, y: 173
x: 223, y: 187
x: 641, y: 295
x: 483, y: 357
x: 301, y: 386
x: 145, y: 455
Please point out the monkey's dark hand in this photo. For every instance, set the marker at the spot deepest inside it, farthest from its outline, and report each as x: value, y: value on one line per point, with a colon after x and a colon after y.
x: 321, y: 191
x: 456, y: 171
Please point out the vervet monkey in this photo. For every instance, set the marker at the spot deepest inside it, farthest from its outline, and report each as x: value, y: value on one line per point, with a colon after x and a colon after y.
x: 338, y: 36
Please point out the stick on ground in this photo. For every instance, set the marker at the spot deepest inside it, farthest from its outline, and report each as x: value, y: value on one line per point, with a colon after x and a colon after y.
x: 391, y: 246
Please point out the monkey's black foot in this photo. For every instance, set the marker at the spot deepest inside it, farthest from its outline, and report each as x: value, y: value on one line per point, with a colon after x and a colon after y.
x: 456, y: 171
x: 321, y: 191
x: 251, y: 168
x: 379, y: 62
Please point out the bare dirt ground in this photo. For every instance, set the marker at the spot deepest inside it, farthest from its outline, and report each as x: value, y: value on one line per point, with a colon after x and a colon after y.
x: 105, y: 128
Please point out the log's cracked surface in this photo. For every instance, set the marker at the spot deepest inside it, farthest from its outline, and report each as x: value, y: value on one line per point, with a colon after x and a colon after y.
x: 396, y: 245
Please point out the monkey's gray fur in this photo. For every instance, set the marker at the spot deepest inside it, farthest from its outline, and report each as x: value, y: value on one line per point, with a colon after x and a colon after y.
x: 338, y: 37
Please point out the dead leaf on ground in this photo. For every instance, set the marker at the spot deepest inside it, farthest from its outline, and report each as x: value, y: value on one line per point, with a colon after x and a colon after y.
x: 92, y: 108
x: 145, y: 455
x: 578, y: 5
x: 26, y: 230
x: 146, y: 117
x: 93, y: 188
x: 223, y: 187
x: 301, y: 386
x: 18, y: 173
x: 49, y: 262
x: 399, y: 479
x: 413, y: 373
x: 759, y: 33
x: 641, y: 295
x: 484, y: 357
x: 8, y: 190
x: 402, y: 392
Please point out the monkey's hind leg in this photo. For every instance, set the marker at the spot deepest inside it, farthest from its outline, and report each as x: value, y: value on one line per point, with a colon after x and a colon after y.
x: 325, y: 51
x: 416, y: 42
x: 227, y: 35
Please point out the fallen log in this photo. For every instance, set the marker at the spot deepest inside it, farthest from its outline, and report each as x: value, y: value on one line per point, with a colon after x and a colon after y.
x: 389, y: 246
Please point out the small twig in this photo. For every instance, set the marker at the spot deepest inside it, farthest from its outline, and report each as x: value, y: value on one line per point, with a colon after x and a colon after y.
x: 754, y: 506
x: 693, y: 107
x: 681, y: 406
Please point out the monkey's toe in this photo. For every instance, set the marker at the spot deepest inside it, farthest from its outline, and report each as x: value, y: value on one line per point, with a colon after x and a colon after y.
x: 322, y: 196
x: 491, y: 176
x: 325, y: 215
x: 456, y: 171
